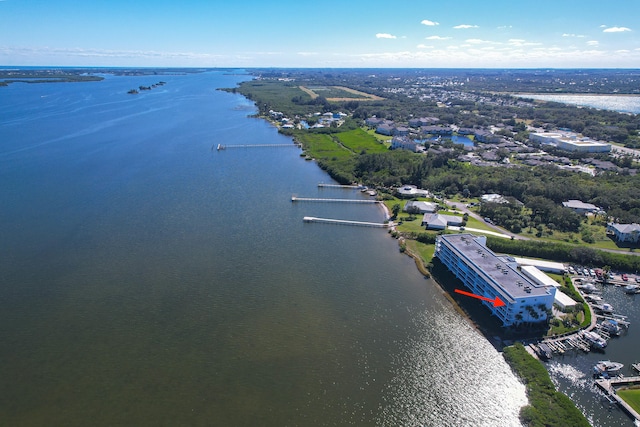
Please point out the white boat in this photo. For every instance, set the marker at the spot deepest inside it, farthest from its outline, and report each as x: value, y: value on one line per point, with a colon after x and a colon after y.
x: 604, y: 308
x: 632, y: 289
x: 588, y: 288
x: 607, y: 368
x: 593, y: 298
x: 611, y: 327
x: 595, y: 340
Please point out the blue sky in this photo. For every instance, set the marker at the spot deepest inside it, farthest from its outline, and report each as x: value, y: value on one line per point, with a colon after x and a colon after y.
x: 327, y: 33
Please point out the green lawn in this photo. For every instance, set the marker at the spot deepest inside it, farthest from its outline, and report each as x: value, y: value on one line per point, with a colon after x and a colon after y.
x: 632, y: 397
x: 359, y: 141
x: 322, y: 146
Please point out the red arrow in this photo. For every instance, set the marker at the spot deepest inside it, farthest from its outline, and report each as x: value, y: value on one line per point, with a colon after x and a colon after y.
x: 497, y: 302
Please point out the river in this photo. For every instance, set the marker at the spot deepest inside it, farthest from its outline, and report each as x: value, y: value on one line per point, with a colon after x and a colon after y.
x: 620, y: 103
x: 147, y: 279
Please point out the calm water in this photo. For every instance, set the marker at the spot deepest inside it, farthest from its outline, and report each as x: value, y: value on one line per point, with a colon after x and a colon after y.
x: 621, y: 103
x: 148, y: 280
x: 572, y: 372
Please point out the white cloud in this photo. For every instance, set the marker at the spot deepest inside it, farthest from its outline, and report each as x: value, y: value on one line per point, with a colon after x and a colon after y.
x: 385, y: 36
x: 592, y: 43
x: 480, y: 41
x: 437, y: 38
x: 424, y: 46
x: 429, y: 23
x: 307, y: 53
x: 464, y: 26
x: 505, y: 27
x: 616, y: 30
x: 573, y: 35
x: 522, y: 42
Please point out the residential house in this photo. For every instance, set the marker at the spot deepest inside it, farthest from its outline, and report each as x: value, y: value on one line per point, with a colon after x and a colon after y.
x: 420, y: 207
x: 404, y: 143
x: 625, y: 232
x: 410, y: 191
x: 435, y: 221
x: 580, y: 207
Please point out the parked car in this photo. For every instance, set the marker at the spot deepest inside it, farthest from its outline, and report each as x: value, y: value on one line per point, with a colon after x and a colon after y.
x: 585, y: 272
x: 625, y: 277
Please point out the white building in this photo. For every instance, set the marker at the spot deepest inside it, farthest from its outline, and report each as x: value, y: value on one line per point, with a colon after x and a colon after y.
x: 570, y: 142
x: 625, y: 232
x: 581, y: 207
x: 561, y: 299
x: 488, y: 275
x: 420, y: 207
x: 410, y: 191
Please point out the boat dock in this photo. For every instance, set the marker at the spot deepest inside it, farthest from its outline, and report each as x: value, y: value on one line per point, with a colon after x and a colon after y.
x: 320, y: 199
x: 345, y: 222
x: 608, y: 386
x: 220, y: 147
x: 346, y: 187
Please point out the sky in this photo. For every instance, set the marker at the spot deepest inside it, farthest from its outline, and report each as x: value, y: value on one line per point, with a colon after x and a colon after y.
x: 321, y: 34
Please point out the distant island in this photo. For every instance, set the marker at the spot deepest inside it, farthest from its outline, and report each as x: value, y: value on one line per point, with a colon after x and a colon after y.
x: 143, y: 88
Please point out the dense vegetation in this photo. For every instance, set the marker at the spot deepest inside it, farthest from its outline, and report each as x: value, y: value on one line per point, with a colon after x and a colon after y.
x: 466, y: 98
x: 564, y: 253
x: 547, y: 407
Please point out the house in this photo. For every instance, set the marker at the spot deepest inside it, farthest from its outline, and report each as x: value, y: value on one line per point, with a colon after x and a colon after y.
x: 420, y: 207
x: 422, y: 121
x: 401, y: 131
x: 434, y: 221
x: 436, y: 130
x: 403, y: 143
x: 493, y: 198
x: 385, y: 129
x: 410, y: 191
x: 625, y: 232
x: 373, y: 122
x: 485, y: 136
x: 580, y: 207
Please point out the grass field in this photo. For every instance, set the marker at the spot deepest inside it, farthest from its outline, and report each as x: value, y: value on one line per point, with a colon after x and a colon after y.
x: 632, y: 397
x: 359, y: 141
x: 339, y: 93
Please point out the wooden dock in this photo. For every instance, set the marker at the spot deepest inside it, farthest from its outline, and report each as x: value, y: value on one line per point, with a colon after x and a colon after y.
x: 346, y: 187
x: 608, y: 386
x: 345, y: 222
x: 320, y: 199
x: 220, y: 147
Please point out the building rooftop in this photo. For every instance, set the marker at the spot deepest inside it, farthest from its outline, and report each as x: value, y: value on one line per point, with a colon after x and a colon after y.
x: 504, y: 275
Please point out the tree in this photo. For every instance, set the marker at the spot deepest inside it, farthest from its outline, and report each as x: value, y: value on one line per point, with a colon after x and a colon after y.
x: 395, y: 210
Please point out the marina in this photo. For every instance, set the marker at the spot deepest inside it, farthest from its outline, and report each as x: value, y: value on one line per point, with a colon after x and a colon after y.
x: 611, y: 386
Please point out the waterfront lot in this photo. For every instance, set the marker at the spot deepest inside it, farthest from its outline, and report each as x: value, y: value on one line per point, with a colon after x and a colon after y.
x: 632, y: 397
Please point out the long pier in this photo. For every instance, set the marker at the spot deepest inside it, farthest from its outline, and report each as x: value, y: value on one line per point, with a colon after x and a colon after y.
x: 220, y: 147
x: 608, y: 386
x: 345, y: 222
x: 346, y: 187
x: 320, y: 199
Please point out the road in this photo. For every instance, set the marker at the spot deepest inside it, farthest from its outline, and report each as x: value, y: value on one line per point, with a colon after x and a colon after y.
x: 463, y: 208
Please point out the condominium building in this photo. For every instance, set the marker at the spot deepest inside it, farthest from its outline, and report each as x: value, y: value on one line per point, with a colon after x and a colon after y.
x: 488, y: 275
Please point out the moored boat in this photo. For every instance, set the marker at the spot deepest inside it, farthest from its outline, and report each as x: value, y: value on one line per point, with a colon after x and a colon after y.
x: 632, y: 289
x: 607, y: 368
x: 595, y: 340
x: 611, y: 327
x: 543, y: 351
